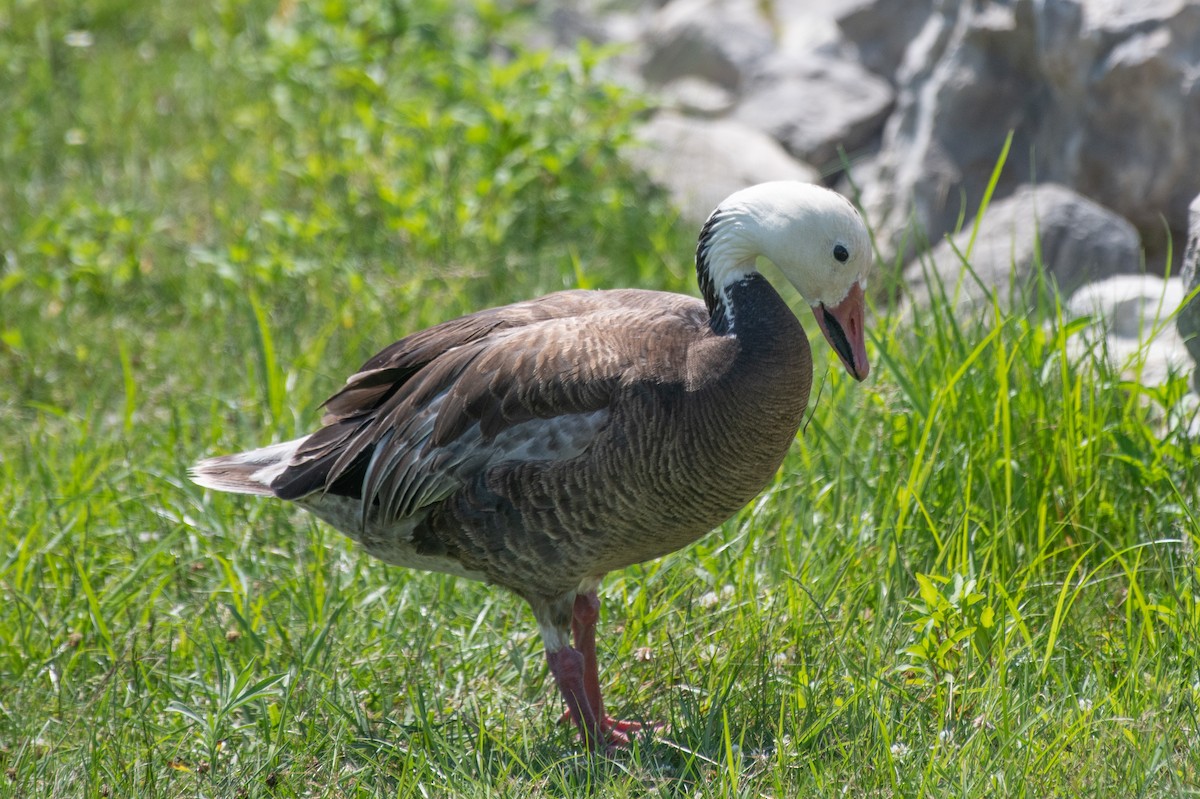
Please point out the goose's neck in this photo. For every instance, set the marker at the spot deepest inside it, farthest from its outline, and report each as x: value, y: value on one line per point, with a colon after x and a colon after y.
x: 723, y: 258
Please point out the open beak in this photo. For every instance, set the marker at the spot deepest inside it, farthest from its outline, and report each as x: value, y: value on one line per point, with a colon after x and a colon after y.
x: 843, y: 327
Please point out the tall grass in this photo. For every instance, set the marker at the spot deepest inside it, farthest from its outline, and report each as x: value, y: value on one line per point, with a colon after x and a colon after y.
x: 975, y: 575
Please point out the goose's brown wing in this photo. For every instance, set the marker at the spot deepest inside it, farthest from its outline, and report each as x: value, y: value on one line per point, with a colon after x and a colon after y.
x: 532, y: 381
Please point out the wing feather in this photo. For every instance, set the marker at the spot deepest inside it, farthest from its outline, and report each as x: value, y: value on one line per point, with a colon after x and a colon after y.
x: 535, y: 380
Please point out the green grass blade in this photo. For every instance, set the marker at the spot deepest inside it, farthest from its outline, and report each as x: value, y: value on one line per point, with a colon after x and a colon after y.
x: 988, y: 191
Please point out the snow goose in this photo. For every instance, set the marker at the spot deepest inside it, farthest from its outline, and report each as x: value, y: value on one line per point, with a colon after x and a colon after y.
x: 543, y: 444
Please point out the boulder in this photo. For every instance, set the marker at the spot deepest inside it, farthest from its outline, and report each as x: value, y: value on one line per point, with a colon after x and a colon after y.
x: 813, y: 104
x: 696, y: 96
x: 1188, y: 320
x: 1138, y: 151
x: 1075, y: 240
x: 1101, y: 96
x: 967, y: 79
x: 807, y: 28
x: 701, y: 162
x: 881, y: 30
x: 719, y: 40
x: 1132, y: 326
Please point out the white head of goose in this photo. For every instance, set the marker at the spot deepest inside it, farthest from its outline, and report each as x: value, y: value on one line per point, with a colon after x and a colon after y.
x: 543, y: 444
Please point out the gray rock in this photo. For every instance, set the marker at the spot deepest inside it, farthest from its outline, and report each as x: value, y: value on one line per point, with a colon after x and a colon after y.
x: 967, y: 79
x: 1101, y: 96
x: 1076, y: 240
x: 1138, y: 150
x: 881, y: 30
x: 719, y: 40
x: 598, y: 21
x: 813, y: 104
x: 569, y: 23
x: 1188, y: 320
x: 701, y: 162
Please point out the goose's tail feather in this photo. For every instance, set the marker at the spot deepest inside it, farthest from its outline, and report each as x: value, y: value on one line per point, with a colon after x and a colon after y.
x: 246, y: 472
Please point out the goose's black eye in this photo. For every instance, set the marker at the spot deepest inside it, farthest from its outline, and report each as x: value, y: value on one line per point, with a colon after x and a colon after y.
x: 841, y: 253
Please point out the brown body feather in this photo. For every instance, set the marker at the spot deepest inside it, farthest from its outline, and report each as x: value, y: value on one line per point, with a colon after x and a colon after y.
x: 694, y: 425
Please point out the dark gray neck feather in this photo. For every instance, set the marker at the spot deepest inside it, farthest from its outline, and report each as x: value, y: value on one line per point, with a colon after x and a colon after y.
x: 719, y: 318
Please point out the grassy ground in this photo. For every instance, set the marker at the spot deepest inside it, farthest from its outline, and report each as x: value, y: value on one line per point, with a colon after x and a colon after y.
x: 975, y: 575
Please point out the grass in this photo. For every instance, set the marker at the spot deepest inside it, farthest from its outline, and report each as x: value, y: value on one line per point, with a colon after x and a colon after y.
x: 975, y: 575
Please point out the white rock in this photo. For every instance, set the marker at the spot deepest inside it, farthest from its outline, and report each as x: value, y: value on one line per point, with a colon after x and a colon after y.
x: 1119, y: 16
x: 1133, y: 327
x: 805, y: 28
x: 696, y: 96
x: 701, y: 162
x: 1130, y: 305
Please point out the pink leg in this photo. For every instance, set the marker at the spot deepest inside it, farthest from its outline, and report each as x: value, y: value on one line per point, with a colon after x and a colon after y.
x: 583, y: 628
x: 567, y: 666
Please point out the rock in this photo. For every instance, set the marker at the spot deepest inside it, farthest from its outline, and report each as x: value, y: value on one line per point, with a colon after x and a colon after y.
x: 1138, y: 151
x: 697, y: 97
x: 808, y: 28
x: 967, y: 79
x: 1132, y: 326
x: 597, y: 21
x: 701, y: 162
x: 1188, y: 320
x: 570, y: 23
x: 1078, y: 240
x: 1101, y: 96
x: 1129, y: 305
x: 565, y: 24
x: 881, y: 31
x: 719, y: 40
x: 812, y: 104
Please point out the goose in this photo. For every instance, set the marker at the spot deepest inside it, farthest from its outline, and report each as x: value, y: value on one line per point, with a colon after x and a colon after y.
x: 540, y: 445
